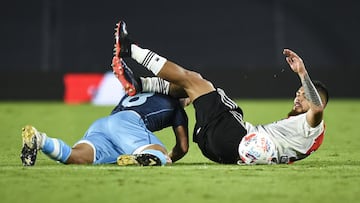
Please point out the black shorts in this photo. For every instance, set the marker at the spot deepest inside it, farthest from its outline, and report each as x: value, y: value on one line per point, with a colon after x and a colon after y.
x: 219, y: 127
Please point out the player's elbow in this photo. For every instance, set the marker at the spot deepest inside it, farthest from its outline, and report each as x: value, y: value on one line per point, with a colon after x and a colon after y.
x: 185, y: 150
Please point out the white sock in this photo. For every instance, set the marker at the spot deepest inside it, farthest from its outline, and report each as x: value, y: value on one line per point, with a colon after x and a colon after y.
x: 147, y: 58
x: 155, y: 84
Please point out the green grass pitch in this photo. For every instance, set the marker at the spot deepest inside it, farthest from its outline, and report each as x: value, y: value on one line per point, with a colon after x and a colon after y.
x: 332, y: 174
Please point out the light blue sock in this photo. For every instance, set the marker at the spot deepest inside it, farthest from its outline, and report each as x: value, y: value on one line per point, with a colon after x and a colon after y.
x: 156, y: 153
x: 56, y: 149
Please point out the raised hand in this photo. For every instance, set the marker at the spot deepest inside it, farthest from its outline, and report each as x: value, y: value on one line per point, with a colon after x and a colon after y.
x: 294, y: 61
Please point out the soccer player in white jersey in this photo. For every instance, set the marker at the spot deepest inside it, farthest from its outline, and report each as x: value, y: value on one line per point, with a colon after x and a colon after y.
x: 302, y: 133
x: 219, y: 124
x: 126, y: 136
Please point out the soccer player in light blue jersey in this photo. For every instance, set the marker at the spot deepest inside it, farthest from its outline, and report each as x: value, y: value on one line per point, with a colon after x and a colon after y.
x: 126, y: 136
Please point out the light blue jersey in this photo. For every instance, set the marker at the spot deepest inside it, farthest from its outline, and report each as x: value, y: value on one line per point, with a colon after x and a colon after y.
x: 127, y: 129
x: 120, y: 133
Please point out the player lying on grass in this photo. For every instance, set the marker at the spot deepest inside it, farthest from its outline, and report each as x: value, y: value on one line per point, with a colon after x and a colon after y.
x: 219, y: 124
x: 124, y: 137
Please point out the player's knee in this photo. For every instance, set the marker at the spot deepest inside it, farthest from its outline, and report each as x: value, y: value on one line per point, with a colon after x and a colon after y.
x: 195, y: 78
x: 192, y: 75
x: 197, y: 81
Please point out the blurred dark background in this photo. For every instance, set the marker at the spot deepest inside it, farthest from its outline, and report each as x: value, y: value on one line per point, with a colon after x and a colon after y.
x: 236, y: 44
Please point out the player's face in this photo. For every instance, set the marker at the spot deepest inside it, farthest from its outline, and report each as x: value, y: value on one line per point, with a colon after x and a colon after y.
x: 301, y: 104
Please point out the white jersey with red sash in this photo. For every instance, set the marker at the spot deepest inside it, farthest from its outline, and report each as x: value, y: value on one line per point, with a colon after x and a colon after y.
x: 293, y: 136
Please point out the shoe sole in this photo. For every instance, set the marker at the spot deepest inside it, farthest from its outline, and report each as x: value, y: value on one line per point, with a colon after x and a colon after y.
x: 29, y: 149
x: 28, y: 134
x: 127, y: 160
x: 138, y: 159
x: 148, y: 160
x: 118, y: 70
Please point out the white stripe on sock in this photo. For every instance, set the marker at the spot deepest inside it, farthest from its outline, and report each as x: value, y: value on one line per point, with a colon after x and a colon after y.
x: 56, y: 151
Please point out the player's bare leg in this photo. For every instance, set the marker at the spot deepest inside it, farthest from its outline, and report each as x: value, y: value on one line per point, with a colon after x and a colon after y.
x: 190, y: 81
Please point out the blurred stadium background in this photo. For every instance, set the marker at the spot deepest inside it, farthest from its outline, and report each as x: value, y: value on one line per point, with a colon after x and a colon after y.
x: 236, y: 44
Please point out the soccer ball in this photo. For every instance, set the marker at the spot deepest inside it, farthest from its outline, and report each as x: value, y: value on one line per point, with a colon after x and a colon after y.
x: 257, y: 148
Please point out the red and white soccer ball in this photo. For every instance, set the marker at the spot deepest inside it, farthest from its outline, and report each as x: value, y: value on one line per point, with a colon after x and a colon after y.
x: 257, y: 148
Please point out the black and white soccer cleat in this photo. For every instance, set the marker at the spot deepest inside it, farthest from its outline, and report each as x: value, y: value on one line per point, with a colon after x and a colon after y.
x: 138, y: 159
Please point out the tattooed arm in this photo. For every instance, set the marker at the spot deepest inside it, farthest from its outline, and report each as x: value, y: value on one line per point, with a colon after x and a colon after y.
x: 315, y: 114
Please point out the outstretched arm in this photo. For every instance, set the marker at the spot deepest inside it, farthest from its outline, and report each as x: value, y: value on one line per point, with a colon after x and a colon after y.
x: 315, y: 113
x: 182, y: 143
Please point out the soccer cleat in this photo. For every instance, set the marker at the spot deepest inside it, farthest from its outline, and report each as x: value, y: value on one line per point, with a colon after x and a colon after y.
x: 122, y: 47
x: 138, y: 159
x: 126, y: 77
x: 31, y: 144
